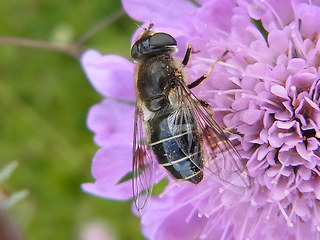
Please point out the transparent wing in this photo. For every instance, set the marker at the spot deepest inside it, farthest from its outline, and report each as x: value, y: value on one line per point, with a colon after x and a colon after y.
x: 142, y: 165
x: 221, y: 158
x: 182, y: 123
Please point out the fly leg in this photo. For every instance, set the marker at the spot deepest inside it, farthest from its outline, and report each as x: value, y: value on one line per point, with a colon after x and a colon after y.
x: 207, y: 106
x: 210, y: 112
x: 232, y: 131
x: 195, y: 83
x: 187, y: 55
x: 207, y: 74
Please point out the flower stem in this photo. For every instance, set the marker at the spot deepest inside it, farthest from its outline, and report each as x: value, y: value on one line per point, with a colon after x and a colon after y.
x: 100, y: 25
x: 73, y: 49
x: 24, y: 42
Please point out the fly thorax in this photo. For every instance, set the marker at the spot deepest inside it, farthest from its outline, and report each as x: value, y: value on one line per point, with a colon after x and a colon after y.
x: 154, y: 78
x: 157, y: 103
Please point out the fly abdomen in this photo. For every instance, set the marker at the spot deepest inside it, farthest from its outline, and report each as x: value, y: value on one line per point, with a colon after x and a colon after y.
x: 180, y: 154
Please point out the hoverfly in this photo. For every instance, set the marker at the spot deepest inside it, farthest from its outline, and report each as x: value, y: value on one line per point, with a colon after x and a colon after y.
x: 172, y: 126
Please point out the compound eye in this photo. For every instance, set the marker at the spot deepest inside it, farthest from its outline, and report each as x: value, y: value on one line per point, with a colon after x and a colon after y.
x: 162, y: 40
x: 134, y: 51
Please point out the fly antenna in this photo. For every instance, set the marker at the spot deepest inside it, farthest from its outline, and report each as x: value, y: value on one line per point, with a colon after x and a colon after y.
x: 139, y: 26
x: 151, y: 25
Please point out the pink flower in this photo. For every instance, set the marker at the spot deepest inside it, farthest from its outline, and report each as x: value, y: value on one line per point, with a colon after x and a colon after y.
x: 267, y: 89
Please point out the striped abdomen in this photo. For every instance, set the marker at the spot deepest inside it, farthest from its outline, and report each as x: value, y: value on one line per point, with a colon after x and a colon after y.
x: 175, y: 152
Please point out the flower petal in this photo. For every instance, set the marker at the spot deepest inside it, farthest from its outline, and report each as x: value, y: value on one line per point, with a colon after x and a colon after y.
x: 111, y: 119
x: 110, y: 164
x: 111, y: 75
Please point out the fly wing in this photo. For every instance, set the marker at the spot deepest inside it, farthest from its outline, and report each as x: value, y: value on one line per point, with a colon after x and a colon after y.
x: 142, y: 165
x: 221, y: 157
x: 182, y: 123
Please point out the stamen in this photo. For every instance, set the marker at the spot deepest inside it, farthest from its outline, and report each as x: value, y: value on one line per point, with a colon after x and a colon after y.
x: 289, y: 223
x: 226, y: 64
x: 256, y: 224
x: 241, y: 71
x: 244, y: 224
x: 225, y: 231
x: 168, y: 188
x: 297, y: 41
x: 276, y: 178
x: 215, y: 209
x: 229, y: 91
x: 274, y: 13
x: 207, y: 229
x: 261, y: 99
x: 269, y: 212
x: 218, y: 30
x: 214, y: 200
x: 253, y: 202
x: 193, y: 199
x: 191, y: 214
x: 265, y: 79
x: 243, y: 95
x: 288, y: 190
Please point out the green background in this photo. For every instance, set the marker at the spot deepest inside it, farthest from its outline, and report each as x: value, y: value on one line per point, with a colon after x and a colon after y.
x: 44, y: 100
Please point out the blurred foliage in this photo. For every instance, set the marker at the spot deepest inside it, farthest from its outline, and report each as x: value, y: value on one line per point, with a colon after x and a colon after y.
x: 44, y: 100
